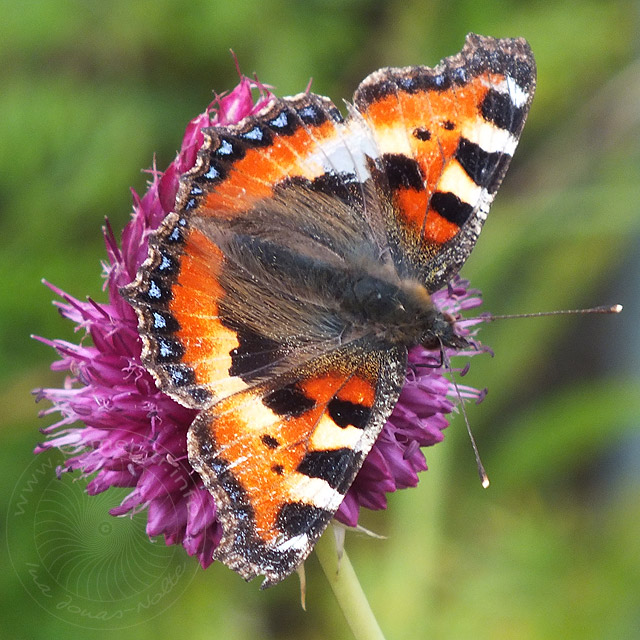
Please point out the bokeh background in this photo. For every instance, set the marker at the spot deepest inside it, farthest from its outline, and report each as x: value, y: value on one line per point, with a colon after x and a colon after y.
x: 91, y: 90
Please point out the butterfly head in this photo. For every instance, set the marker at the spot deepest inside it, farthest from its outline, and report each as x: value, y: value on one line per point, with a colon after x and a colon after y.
x: 420, y: 321
x: 442, y: 333
x: 397, y: 311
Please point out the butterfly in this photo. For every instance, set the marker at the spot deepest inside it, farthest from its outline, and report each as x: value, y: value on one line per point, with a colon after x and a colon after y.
x: 281, y: 295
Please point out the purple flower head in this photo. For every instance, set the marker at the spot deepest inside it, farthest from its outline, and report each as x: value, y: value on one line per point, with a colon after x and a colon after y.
x: 119, y: 428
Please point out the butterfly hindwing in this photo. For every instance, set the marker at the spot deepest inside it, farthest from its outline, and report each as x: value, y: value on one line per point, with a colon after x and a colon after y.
x: 280, y: 458
x: 211, y: 313
x: 296, y: 138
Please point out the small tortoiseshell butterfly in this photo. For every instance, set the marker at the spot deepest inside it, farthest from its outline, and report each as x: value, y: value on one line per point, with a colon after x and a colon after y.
x: 281, y: 295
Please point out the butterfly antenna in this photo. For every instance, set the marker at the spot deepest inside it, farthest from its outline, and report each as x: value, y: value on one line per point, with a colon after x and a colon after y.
x: 489, y: 317
x: 484, y: 478
x: 616, y: 308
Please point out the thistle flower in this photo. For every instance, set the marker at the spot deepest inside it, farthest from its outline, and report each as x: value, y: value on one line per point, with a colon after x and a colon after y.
x: 119, y: 428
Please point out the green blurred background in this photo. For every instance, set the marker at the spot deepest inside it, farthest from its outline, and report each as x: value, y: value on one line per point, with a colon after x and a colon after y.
x: 90, y: 91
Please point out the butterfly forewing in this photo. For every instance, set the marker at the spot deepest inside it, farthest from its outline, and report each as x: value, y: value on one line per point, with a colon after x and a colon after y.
x: 446, y: 136
x: 280, y: 457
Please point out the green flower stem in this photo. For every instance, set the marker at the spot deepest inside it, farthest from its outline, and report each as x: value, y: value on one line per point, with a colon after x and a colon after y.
x: 347, y: 589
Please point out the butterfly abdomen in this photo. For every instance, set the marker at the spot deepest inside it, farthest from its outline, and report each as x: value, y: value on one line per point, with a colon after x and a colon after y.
x: 363, y: 298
